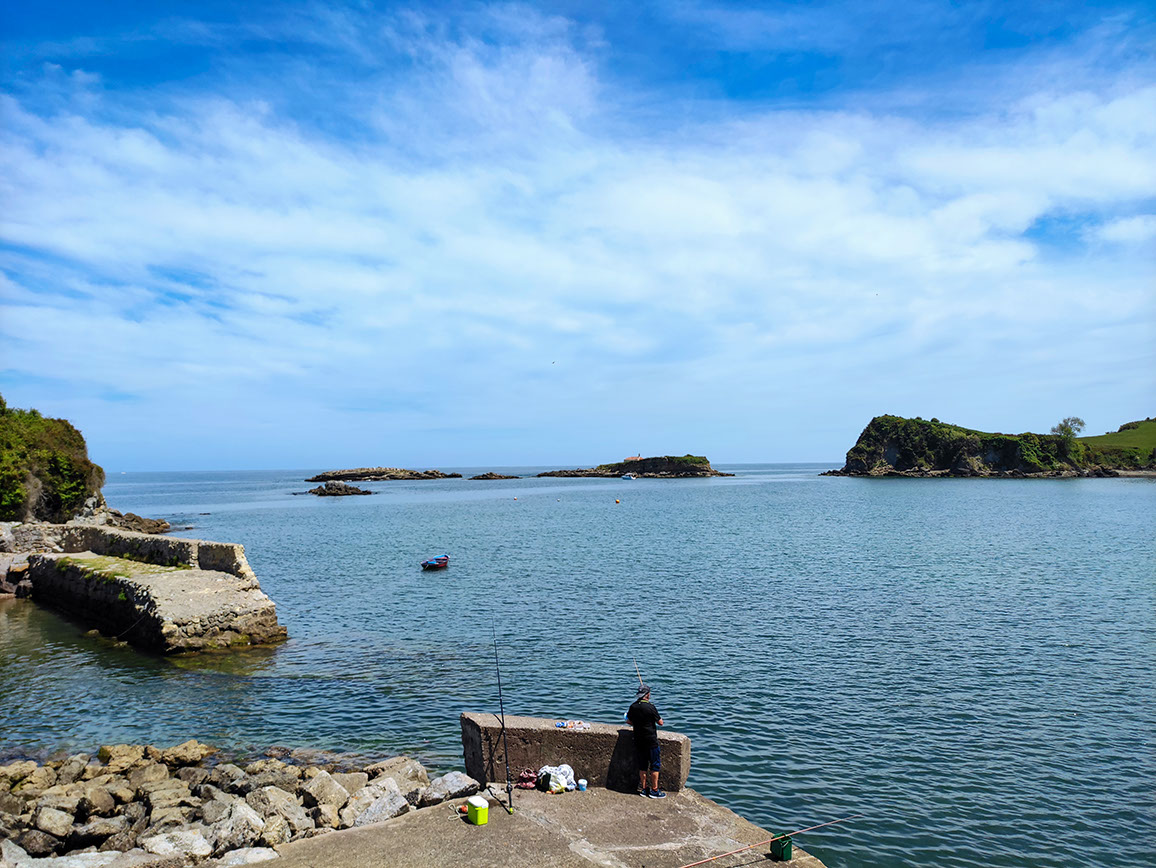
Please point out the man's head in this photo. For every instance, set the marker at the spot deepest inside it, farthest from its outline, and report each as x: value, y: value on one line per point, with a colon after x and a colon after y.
x: 643, y: 691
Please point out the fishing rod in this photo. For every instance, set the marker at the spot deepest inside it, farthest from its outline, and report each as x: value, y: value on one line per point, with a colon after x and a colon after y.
x: 636, y: 672
x: 505, y: 740
x: 769, y: 840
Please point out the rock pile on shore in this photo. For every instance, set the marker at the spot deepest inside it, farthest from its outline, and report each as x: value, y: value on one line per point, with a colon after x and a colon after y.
x: 140, y: 806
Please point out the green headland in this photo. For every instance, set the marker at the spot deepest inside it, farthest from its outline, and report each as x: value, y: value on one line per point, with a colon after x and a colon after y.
x: 898, y: 446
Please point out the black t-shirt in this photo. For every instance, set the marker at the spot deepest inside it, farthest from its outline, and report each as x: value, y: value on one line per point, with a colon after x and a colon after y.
x: 644, y: 717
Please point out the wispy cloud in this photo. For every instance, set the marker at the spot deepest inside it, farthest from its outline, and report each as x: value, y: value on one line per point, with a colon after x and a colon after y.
x: 480, y: 221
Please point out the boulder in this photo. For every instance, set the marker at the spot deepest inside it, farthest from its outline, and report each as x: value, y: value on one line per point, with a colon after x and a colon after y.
x: 118, y: 788
x: 327, y: 816
x: 98, y: 830
x: 224, y: 775
x: 119, y: 758
x: 12, y: 855
x: 271, y: 801
x: 247, y: 856
x: 241, y: 827
x: 121, y: 841
x: 194, y: 776
x: 186, y: 841
x: 269, y: 773
x: 409, y: 775
x: 56, y: 823
x: 38, y: 843
x: 360, y: 801
x: 455, y: 785
x: 216, y: 809
x: 187, y: 753
x: 148, y: 774
x: 386, y: 807
x: 97, y: 800
x: 72, y: 769
x: 59, y: 798
x: 36, y: 781
x: 165, y: 818
x: 324, y: 790
x: 276, y: 832
x: 351, y: 781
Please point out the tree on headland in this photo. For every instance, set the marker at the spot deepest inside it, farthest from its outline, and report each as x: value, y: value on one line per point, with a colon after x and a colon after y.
x: 1067, y: 429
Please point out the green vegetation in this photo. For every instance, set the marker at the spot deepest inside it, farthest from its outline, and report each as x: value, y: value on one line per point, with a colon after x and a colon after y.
x: 669, y: 462
x: 45, y: 473
x: 1132, y: 446
x: 891, y: 444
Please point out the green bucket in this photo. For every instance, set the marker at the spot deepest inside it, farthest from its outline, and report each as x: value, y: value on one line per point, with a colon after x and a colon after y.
x: 781, y: 850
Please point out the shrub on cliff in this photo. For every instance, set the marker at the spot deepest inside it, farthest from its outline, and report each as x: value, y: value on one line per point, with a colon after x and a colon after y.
x: 45, y: 473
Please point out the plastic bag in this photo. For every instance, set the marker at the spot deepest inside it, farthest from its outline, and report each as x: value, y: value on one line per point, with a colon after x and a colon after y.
x: 557, y: 778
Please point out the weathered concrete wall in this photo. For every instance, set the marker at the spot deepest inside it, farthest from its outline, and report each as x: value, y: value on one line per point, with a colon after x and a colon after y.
x: 160, y: 608
x: 149, y: 548
x: 603, y: 754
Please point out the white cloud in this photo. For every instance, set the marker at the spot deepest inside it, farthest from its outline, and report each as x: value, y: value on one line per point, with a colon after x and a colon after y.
x: 505, y: 237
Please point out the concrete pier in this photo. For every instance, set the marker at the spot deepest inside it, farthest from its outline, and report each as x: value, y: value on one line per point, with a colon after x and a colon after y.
x: 602, y: 754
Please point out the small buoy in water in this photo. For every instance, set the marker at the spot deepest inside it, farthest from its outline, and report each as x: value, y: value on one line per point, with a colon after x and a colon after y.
x: 616, y: 500
x: 515, y: 498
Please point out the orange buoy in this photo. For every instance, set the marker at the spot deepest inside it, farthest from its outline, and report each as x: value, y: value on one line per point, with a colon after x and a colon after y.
x: 616, y: 500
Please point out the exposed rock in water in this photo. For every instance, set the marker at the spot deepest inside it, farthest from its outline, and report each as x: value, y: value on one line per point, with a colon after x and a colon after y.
x: 379, y: 474
x: 662, y: 467
x: 492, y: 475
x: 337, y: 489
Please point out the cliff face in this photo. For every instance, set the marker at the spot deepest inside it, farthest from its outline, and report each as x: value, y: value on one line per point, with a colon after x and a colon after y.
x: 895, y: 446
x: 45, y: 474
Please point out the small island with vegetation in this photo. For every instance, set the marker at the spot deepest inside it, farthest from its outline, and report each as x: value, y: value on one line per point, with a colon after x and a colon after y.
x: 379, y: 474
x: 896, y: 446
x: 661, y: 467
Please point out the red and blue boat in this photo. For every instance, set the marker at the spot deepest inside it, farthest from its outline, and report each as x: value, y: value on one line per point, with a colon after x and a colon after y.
x: 436, y: 563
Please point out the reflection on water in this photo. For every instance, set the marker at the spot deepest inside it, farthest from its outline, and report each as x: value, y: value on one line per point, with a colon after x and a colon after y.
x: 968, y: 662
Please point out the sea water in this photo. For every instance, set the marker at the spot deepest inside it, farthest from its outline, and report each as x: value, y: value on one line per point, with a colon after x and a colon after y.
x: 971, y: 664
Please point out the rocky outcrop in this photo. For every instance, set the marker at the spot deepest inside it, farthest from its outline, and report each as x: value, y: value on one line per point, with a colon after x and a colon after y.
x: 379, y: 474
x: 96, y: 511
x: 337, y: 489
x: 895, y: 446
x: 492, y: 475
x: 145, y: 806
x: 663, y: 467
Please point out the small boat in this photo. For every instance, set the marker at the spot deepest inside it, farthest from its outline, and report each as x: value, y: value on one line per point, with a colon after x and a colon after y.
x: 436, y: 563
x: 629, y: 476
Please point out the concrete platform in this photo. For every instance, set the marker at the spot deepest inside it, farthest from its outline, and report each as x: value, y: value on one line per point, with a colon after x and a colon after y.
x: 572, y: 830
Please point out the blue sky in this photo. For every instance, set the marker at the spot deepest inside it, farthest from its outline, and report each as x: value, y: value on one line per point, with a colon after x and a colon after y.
x: 319, y: 235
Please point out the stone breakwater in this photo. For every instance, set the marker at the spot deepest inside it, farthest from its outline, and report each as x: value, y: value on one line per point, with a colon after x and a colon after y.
x: 138, y: 806
x: 159, y: 593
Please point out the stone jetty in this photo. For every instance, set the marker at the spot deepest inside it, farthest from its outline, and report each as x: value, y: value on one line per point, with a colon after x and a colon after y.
x: 138, y: 806
x: 162, y: 594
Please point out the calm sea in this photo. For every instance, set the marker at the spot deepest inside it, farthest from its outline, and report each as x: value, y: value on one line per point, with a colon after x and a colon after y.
x: 970, y: 663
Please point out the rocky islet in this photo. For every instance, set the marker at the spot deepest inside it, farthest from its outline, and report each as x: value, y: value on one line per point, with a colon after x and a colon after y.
x: 149, y: 807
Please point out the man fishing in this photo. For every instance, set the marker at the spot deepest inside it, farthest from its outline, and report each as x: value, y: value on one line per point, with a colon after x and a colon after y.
x: 645, y: 719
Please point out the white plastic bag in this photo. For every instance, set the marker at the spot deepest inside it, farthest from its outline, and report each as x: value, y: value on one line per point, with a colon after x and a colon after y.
x: 561, y: 778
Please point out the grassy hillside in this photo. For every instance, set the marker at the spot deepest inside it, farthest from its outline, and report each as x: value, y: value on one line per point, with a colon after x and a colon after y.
x: 45, y: 473
x: 894, y: 443
x: 1133, y: 445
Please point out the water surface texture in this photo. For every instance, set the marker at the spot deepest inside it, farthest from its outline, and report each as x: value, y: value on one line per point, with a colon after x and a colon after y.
x: 970, y: 663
